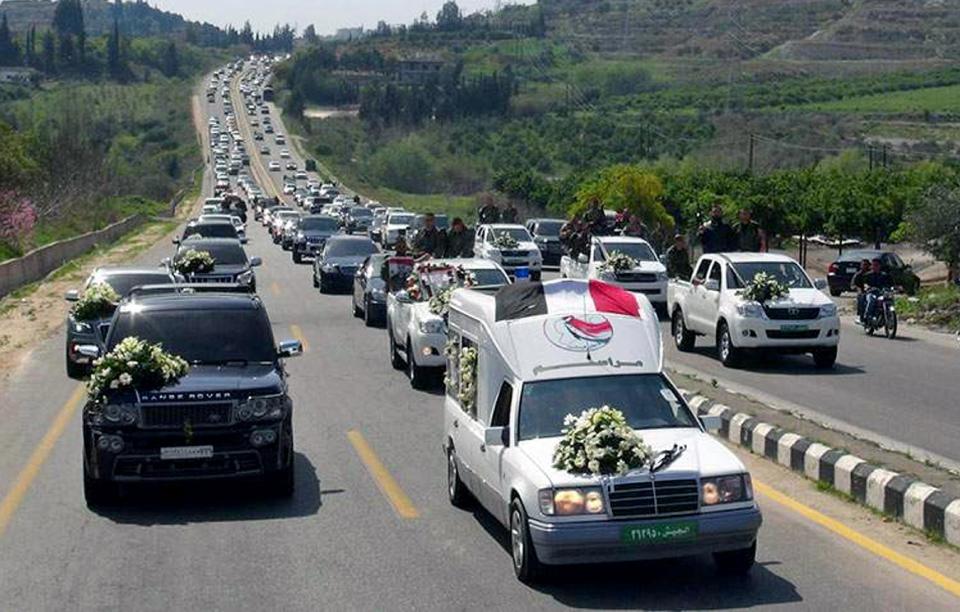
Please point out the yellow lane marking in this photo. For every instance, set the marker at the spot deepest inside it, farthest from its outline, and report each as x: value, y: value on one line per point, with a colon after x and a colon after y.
x: 298, y: 334
x: 902, y: 561
x: 275, y: 288
x: 388, y: 486
x: 28, y: 474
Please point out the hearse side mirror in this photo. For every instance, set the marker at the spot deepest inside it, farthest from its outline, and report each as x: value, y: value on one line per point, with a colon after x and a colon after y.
x: 255, y: 262
x: 582, y: 258
x: 711, y: 422
x: 820, y: 283
x: 92, y: 351
x: 496, y: 436
x: 289, y: 348
x: 72, y: 296
x: 712, y: 285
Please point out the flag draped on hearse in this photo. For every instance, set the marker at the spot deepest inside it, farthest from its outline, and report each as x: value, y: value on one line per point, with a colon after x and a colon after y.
x: 522, y: 300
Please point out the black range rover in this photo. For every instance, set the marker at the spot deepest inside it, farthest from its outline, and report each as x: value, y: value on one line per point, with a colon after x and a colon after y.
x: 229, y: 417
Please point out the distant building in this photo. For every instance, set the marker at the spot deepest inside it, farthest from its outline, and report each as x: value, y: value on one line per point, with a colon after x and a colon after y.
x: 419, y: 70
x: 18, y: 76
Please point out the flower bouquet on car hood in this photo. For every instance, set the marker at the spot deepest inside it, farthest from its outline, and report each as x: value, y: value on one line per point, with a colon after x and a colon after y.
x: 504, y: 240
x: 600, y: 442
x: 98, y: 301
x: 617, y: 263
x: 135, y: 364
x: 194, y: 262
x: 764, y: 288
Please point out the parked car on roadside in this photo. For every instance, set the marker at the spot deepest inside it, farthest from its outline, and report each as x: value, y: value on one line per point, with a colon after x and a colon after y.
x: 841, y: 271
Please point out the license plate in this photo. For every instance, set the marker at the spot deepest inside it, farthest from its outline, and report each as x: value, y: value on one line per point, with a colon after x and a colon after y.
x: 852, y: 270
x: 186, y: 452
x: 793, y: 328
x: 679, y: 531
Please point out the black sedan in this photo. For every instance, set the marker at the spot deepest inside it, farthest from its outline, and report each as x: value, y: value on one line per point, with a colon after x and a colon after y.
x: 546, y: 235
x: 313, y: 231
x: 370, y: 291
x: 339, y: 261
x: 840, y: 273
x: 358, y: 220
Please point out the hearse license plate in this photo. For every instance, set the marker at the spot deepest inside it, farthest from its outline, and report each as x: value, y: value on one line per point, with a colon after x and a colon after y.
x: 186, y: 452
x: 679, y: 531
x: 793, y: 328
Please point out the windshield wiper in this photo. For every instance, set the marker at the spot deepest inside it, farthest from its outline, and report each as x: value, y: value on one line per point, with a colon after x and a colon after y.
x: 665, y: 458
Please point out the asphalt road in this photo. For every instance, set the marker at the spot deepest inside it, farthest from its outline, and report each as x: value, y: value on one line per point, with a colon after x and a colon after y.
x: 339, y: 544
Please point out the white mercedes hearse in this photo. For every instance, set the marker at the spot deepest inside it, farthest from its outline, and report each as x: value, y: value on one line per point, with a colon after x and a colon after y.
x: 524, y: 358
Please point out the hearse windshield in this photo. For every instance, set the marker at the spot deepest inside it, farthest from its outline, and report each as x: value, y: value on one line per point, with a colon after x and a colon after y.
x: 201, y: 336
x: 646, y: 400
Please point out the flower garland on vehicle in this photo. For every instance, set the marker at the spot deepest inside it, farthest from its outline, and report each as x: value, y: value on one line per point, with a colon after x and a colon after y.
x: 439, y: 303
x: 618, y: 262
x: 98, y: 301
x: 504, y: 240
x: 135, y: 364
x: 467, y: 393
x: 764, y: 288
x: 195, y: 262
x: 600, y: 442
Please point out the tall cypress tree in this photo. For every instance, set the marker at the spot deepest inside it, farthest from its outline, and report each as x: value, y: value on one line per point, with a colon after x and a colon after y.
x: 113, y: 51
x: 49, y: 52
x: 9, y: 52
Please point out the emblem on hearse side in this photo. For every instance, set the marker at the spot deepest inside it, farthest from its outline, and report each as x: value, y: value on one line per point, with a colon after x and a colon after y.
x: 579, y: 334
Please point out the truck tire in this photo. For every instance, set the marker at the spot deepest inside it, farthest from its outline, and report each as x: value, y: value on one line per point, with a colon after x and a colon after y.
x: 76, y: 371
x: 825, y: 358
x: 730, y: 355
x: 682, y: 337
x: 736, y: 562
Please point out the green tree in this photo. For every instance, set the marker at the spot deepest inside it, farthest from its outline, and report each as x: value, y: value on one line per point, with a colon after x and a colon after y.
x: 9, y: 51
x: 936, y: 224
x: 49, y: 53
x: 629, y: 187
x: 170, y: 64
x: 449, y: 18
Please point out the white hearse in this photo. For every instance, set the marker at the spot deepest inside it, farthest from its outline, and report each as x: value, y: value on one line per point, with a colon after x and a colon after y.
x: 511, y: 246
x: 711, y: 304
x: 646, y: 275
x: 524, y: 358
x: 418, y: 335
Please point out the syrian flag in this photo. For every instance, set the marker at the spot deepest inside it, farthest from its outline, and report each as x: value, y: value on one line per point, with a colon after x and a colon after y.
x: 522, y: 300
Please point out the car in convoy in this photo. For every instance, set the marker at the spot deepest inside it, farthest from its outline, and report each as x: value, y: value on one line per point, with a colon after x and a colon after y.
x: 710, y: 304
x: 278, y: 221
x: 338, y: 262
x: 511, y: 246
x: 313, y: 231
x: 546, y: 235
x: 841, y: 271
x: 648, y: 276
x: 358, y: 220
x: 369, y: 299
x: 395, y: 224
x: 230, y: 417
x: 418, y: 335
x: 236, y: 221
x: 563, y: 349
x: 231, y: 264
x: 82, y: 332
x: 210, y: 229
x: 274, y: 166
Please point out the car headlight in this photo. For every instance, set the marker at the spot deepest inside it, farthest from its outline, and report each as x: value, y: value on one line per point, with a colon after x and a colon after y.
x: 114, y: 414
x: 828, y: 310
x: 572, y: 501
x: 662, y: 277
x: 264, y: 408
x: 750, y: 310
x: 82, y: 328
x: 301, y: 238
x: 245, y: 278
x: 378, y: 294
x: 726, y: 489
x: 431, y: 326
x: 330, y: 267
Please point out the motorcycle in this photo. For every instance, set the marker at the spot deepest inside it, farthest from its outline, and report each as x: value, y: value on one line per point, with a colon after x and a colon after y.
x: 884, y: 315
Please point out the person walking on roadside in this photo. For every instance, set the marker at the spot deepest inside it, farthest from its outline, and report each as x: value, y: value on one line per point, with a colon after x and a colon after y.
x: 716, y: 236
x: 509, y: 214
x: 678, y: 259
x: 459, y: 240
x: 429, y: 240
x: 749, y: 236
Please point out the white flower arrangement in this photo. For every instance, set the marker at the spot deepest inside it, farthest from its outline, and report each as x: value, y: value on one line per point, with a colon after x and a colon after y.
x: 600, y: 442
x: 439, y: 303
x: 98, y: 301
x: 618, y: 262
x: 194, y: 262
x: 504, y: 240
x: 764, y: 288
x: 135, y: 364
x: 467, y: 394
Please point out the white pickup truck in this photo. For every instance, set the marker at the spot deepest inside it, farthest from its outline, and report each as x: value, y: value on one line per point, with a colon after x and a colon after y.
x: 648, y: 276
x: 710, y: 304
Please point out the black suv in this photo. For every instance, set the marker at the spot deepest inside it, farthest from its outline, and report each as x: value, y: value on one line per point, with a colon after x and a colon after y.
x: 230, y: 417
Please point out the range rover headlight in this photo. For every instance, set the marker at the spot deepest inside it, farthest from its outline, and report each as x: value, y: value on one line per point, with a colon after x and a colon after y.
x: 726, y: 489
x: 264, y: 408
x: 245, y: 278
x: 571, y: 501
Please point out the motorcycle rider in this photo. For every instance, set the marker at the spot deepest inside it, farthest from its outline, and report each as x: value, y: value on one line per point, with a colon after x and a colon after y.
x: 857, y: 282
x: 874, y: 282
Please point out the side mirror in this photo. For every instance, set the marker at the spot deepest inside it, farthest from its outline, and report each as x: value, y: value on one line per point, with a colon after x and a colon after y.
x: 255, y: 262
x: 175, y: 241
x: 166, y: 262
x: 711, y: 422
x: 72, y: 296
x: 244, y: 240
x: 403, y: 297
x: 582, y: 258
x: 91, y: 351
x: 496, y: 436
x: 820, y: 283
x: 289, y: 348
x: 712, y: 285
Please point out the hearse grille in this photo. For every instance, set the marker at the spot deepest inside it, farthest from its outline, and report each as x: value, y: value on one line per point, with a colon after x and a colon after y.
x: 656, y: 498
x: 179, y: 415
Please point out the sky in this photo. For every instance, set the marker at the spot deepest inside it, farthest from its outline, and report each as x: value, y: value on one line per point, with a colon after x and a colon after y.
x: 326, y: 15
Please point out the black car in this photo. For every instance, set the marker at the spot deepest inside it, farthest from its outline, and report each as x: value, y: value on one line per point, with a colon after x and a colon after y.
x: 358, y: 219
x: 546, y: 235
x: 840, y: 273
x: 339, y: 261
x: 94, y: 331
x: 370, y: 291
x: 231, y: 264
x: 230, y: 417
x: 313, y: 231
x: 209, y: 229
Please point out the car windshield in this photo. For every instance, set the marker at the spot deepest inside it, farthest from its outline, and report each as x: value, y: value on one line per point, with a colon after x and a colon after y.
x: 361, y: 212
x: 123, y: 283
x: 225, y: 254
x: 646, y: 400
x: 319, y: 225
x: 489, y: 277
x: 786, y: 272
x: 211, y: 230
x: 549, y: 228
x: 520, y: 234
x: 203, y: 335
x: 400, y: 219
x: 636, y: 250
x: 350, y: 248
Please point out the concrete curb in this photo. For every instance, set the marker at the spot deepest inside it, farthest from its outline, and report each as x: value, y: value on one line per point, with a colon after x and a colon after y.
x: 901, y: 496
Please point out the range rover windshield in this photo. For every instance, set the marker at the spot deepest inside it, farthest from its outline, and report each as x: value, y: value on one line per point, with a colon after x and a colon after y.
x: 646, y: 400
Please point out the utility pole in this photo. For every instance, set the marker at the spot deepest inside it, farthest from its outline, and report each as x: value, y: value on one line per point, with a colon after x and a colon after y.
x: 870, y: 156
x: 751, y: 153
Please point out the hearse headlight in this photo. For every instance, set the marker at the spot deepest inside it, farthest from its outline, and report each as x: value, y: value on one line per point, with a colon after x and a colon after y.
x: 572, y: 501
x: 828, y: 311
x: 726, y: 489
x: 750, y: 309
x: 431, y: 326
x: 262, y: 408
